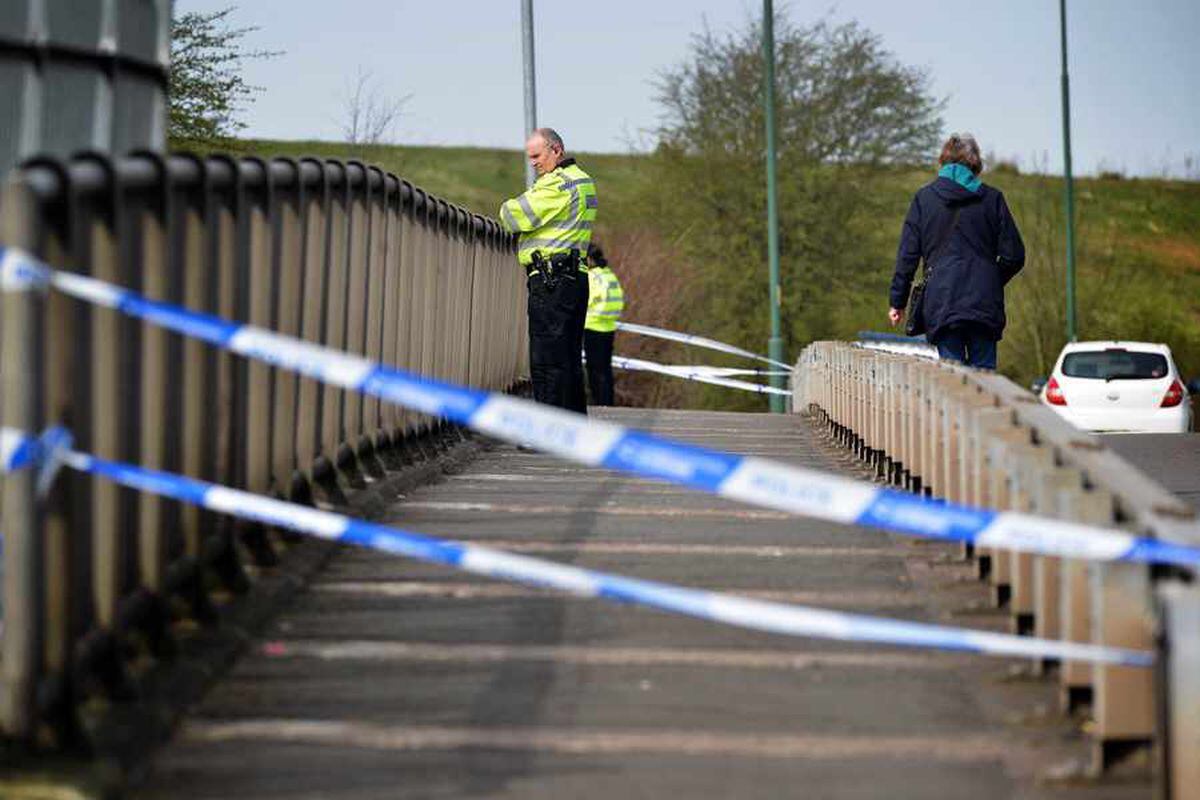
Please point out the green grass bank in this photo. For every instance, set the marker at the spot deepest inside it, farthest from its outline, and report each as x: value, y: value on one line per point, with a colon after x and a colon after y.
x: 1138, y: 254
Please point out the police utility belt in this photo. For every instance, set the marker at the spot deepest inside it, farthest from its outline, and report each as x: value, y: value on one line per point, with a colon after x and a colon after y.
x: 556, y: 266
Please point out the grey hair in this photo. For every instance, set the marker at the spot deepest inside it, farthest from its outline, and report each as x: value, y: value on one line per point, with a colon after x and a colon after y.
x: 961, y: 148
x: 551, y: 137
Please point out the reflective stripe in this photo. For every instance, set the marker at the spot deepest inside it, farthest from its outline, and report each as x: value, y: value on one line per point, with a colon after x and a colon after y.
x: 570, y: 228
x: 563, y: 243
x: 606, y: 301
x: 581, y: 225
x: 572, y: 185
x: 508, y: 218
x: 534, y: 219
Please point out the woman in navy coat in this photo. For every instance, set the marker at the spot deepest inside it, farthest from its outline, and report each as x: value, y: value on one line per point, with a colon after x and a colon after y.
x: 963, y: 229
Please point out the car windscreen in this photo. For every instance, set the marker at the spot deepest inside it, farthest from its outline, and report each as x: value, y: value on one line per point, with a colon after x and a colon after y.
x: 1114, y: 364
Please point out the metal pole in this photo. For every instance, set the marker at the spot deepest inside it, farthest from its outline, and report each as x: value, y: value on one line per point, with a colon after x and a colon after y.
x: 775, y: 344
x: 1067, y: 178
x: 530, y: 81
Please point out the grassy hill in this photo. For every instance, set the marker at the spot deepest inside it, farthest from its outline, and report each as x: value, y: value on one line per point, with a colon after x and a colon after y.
x: 1138, y: 249
x: 475, y: 178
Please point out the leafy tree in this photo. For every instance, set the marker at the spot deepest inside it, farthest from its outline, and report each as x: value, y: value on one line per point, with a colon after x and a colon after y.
x: 845, y: 109
x: 206, y: 90
x: 840, y: 97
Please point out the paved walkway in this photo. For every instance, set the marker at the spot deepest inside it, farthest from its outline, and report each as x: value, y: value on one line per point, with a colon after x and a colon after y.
x: 390, y: 679
x: 1172, y: 459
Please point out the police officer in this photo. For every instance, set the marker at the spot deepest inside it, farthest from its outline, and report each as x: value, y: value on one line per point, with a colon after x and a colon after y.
x: 554, y: 219
x: 606, y: 301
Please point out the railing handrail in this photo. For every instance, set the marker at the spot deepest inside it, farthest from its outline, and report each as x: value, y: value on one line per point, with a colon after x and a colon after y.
x: 89, y: 176
x: 977, y: 438
x: 341, y: 254
x: 1154, y: 509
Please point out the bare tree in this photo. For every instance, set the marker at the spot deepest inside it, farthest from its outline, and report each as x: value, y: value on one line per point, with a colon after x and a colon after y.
x: 370, y: 114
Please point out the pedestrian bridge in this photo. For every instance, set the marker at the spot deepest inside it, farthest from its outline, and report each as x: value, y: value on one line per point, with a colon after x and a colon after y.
x: 883, y: 637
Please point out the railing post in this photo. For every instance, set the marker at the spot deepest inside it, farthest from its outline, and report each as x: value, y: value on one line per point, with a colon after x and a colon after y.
x: 193, y: 209
x: 288, y: 301
x: 1181, y: 624
x: 333, y: 430
x: 1051, y: 497
x: 314, y: 207
x: 259, y: 285
x: 896, y: 420
x: 1123, y: 615
x: 408, y: 351
x: 358, y: 246
x: 155, y: 385
x: 1003, y: 495
x: 65, y: 530
x: 1076, y: 680
x: 392, y: 300
x: 20, y: 377
x: 110, y: 338
x: 1031, y: 465
x: 377, y: 286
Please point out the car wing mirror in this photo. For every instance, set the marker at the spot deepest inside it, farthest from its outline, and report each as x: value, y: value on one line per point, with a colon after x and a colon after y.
x: 1037, y: 386
x: 1193, y: 386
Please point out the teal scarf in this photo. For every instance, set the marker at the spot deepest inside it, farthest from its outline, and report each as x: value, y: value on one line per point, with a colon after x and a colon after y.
x: 962, y: 176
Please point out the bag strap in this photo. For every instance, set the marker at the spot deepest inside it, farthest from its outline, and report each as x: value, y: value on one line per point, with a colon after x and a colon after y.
x: 943, y: 237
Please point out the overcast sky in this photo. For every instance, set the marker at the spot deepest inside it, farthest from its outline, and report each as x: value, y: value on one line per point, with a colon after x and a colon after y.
x: 1133, y: 65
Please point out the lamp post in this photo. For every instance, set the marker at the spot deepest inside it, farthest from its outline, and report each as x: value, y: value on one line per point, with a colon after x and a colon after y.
x: 775, y: 344
x: 1069, y: 191
x: 530, y: 82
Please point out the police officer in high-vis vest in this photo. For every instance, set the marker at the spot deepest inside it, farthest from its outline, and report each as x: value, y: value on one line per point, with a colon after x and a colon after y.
x: 554, y: 219
x: 606, y: 301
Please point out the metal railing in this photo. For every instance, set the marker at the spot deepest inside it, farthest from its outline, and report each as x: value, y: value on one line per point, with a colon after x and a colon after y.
x: 340, y: 254
x: 976, y: 438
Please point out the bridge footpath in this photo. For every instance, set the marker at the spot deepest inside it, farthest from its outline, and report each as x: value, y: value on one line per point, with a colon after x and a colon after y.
x: 1172, y: 459
x: 391, y: 679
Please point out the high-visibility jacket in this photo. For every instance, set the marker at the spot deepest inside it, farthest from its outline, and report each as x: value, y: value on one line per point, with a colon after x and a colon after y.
x: 555, y: 215
x: 606, y: 300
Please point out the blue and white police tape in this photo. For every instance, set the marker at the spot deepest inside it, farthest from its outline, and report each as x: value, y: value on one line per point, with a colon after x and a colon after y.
x: 698, y: 341
x: 690, y: 374
x: 575, y: 437
x: 16, y: 450
x: 743, y: 612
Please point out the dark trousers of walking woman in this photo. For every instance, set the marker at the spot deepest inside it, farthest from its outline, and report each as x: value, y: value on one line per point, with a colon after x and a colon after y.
x: 967, y: 343
x: 598, y: 346
x: 557, y: 308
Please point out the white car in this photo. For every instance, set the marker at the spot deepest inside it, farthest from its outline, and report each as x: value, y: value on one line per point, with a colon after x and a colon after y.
x: 1110, y: 387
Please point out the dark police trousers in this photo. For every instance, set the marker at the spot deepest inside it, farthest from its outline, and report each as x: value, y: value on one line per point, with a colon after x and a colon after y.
x: 557, y: 309
x: 598, y: 346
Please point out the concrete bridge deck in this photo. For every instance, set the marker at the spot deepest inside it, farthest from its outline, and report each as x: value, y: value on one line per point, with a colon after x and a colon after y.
x: 389, y: 679
x: 1172, y: 459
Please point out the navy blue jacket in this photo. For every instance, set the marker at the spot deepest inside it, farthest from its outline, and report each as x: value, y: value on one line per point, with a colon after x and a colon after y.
x: 980, y: 255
